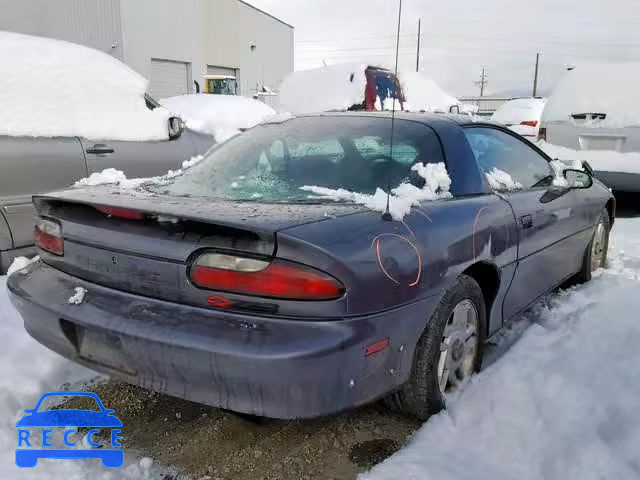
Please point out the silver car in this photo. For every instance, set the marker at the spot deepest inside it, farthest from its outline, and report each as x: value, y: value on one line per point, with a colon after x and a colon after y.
x: 31, y: 165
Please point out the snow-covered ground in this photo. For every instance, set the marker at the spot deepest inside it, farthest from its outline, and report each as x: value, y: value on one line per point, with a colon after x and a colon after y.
x: 562, y: 403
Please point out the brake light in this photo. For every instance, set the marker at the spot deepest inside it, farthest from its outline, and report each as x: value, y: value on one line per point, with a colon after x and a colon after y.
x: 542, y: 133
x: 48, y: 236
x: 125, y: 213
x: 276, y: 279
x: 530, y: 123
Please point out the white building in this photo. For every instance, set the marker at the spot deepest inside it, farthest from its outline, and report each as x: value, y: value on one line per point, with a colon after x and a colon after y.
x: 179, y: 45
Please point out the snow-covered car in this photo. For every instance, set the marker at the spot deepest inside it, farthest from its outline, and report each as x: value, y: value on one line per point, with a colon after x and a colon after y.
x: 423, y: 94
x: 522, y: 115
x: 67, y: 111
x: 291, y: 285
x: 344, y: 86
x: 219, y: 115
x: 595, y: 112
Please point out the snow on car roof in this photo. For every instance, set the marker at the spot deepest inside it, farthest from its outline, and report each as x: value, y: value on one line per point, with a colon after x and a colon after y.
x: 218, y: 115
x: 611, y: 88
x: 519, y: 110
x: 334, y: 87
x: 52, y: 88
x: 423, y: 93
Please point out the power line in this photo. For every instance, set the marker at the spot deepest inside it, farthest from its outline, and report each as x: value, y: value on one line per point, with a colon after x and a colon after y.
x: 481, y: 38
x: 333, y: 40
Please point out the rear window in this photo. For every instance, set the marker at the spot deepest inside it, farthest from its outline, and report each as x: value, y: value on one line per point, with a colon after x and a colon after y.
x: 270, y: 163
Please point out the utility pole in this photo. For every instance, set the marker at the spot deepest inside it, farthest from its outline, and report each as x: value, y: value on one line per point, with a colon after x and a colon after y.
x: 418, y: 50
x: 483, y: 81
x: 535, y: 76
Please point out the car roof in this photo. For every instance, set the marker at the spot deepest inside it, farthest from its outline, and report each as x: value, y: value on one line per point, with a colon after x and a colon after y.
x: 423, y: 117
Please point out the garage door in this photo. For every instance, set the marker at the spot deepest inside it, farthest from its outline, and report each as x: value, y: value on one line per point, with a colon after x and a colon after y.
x: 169, y: 78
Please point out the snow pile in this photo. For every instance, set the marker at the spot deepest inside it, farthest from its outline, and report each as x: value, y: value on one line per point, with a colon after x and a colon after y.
x: 423, y: 93
x: 597, y: 88
x: 53, y: 88
x: 562, y: 403
x: 19, y: 263
x: 334, y: 87
x: 222, y: 116
x: 111, y: 176
x: 600, y: 160
x: 27, y: 371
x: 78, y: 297
x: 402, y: 198
x: 500, y: 180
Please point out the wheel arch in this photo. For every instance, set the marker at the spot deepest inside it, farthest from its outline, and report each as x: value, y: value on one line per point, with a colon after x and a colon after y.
x: 611, y: 209
x: 487, y: 276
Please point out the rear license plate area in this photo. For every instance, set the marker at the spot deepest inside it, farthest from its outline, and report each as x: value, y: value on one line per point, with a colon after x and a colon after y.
x: 97, y: 346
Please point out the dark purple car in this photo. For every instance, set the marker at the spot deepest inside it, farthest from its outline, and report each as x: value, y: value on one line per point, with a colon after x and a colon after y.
x: 232, y: 287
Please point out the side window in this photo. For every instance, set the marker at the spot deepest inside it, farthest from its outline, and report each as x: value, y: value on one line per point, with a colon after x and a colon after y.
x: 509, y: 163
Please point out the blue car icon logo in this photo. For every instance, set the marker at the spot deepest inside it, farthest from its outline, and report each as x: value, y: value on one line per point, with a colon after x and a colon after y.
x: 33, y: 446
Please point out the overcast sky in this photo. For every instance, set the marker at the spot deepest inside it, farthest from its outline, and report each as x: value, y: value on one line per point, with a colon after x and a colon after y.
x: 459, y: 37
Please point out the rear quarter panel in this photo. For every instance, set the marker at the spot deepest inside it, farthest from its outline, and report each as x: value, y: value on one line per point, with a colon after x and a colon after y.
x: 387, y: 264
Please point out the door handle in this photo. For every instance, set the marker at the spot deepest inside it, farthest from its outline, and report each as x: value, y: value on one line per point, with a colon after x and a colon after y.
x: 526, y: 221
x: 100, y: 149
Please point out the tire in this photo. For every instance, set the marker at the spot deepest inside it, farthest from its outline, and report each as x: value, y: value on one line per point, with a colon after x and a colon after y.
x: 589, y: 263
x: 421, y: 396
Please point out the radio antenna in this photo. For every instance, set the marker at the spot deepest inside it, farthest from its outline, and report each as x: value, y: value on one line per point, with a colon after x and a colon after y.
x: 387, y: 214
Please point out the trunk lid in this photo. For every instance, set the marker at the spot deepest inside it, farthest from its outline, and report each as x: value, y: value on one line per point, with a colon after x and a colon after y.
x: 150, y: 256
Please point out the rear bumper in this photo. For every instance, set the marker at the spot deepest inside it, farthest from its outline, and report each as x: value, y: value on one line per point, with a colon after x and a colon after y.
x: 620, y: 181
x: 258, y: 365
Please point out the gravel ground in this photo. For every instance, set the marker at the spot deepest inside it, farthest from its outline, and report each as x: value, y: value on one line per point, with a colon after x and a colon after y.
x: 202, y: 442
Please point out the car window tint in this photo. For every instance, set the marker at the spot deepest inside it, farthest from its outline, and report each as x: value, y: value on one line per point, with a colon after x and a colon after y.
x: 495, y: 149
x: 272, y: 162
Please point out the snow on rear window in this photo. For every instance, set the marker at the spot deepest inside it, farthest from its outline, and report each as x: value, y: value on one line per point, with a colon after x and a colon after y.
x: 281, y: 162
x: 611, y: 89
x: 53, y: 88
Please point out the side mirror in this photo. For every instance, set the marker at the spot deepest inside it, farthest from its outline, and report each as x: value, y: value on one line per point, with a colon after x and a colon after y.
x: 454, y: 109
x: 578, y: 178
x: 176, y: 126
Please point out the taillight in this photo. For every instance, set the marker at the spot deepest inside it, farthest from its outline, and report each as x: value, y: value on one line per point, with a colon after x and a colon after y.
x: 273, y: 279
x: 48, y: 236
x: 118, y: 212
x: 542, y: 133
x: 530, y: 123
